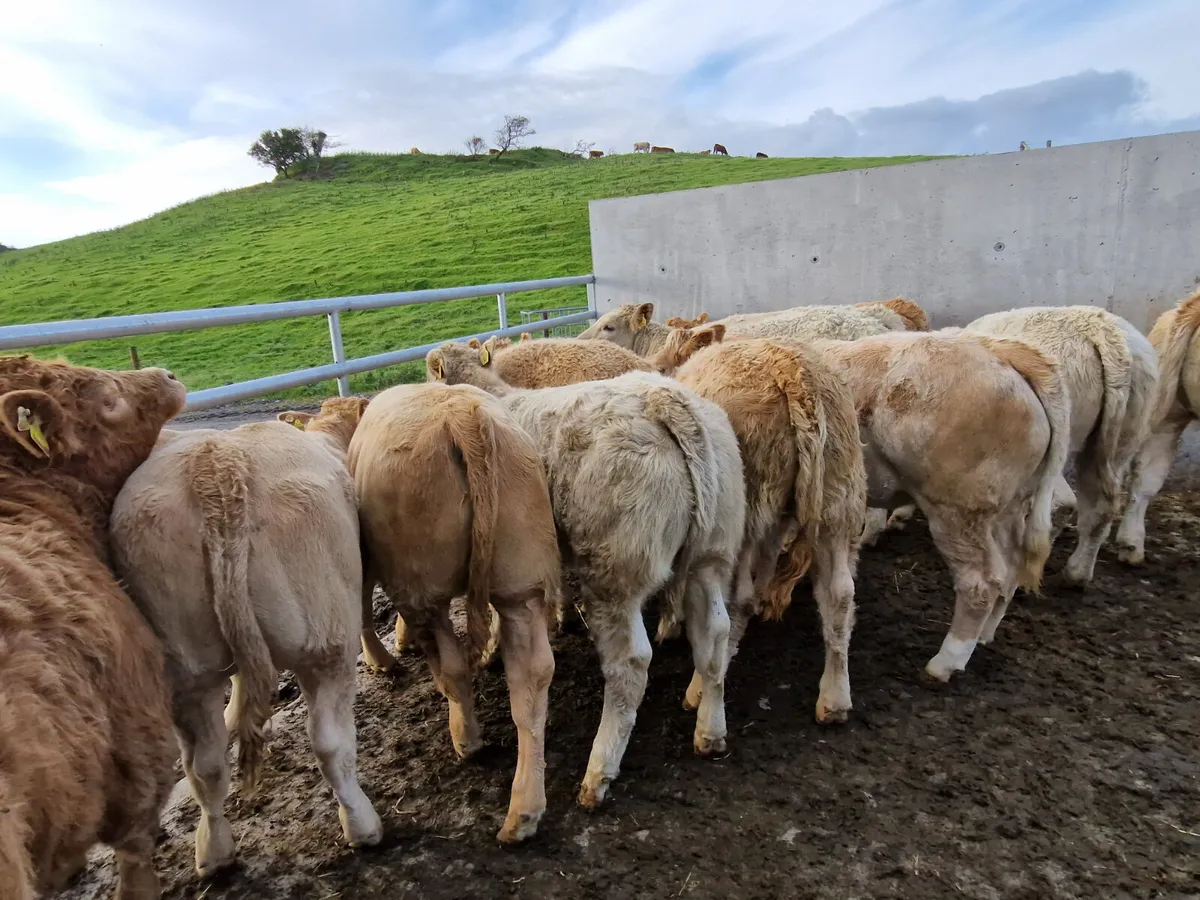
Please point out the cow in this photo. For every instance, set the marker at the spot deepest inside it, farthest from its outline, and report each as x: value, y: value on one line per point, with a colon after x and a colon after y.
x: 414, y: 151
x: 86, y: 752
x: 241, y: 549
x: 492, y: 151
x: 453, y: 503
x: 662, y: 150
x: 645, y: 480
x: 705, y: 152
x: 719, y: 150
x: 1176, y: 340
x: 595, y: 154
x: 1111, y: 373
x: 760, y: 155
x: 921, y: 397
x: 806, y: 488
x: 631, y: 326
x: 641, y: 147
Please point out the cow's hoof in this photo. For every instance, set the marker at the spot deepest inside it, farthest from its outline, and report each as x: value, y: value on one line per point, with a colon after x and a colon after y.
x: 1131, y: 556
x: 364, y: 831
x: 519, y: 827
x: 215, y: 849
x: 828, y: 716
x: 468, y: 749
x: 593, y: 791
x: 709, y: 747
x: 936, y: 674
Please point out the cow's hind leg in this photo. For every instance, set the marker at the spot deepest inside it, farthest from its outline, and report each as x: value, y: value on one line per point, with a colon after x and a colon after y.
x: 329, y: 695
x: 625, y: 651
x: 453, y: 673
x: 968, y: 550
x: 137, y: 879
x: 834, y: 562
x: 203, y: 746
x: 1097, y: 499
x: 739, y: 613
x: 375, y: 654
x: 707, y: 621
x: 528, y: 667
x: 1150, y: 469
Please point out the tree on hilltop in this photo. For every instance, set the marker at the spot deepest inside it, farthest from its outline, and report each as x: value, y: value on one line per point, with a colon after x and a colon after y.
x: 514, y: 130
x: 286, y: 147
x: 476, y: 146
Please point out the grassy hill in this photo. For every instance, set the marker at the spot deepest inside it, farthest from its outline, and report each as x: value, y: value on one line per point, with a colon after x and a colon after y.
x: 370, y: 223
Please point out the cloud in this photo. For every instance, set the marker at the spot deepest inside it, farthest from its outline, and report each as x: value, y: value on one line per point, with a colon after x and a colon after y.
x: 109, y: 112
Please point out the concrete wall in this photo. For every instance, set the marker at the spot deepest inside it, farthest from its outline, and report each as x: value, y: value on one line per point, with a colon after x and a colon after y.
x: 1115, y: 224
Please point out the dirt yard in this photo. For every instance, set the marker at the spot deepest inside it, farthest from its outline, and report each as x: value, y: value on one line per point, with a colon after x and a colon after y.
x: 1065, y: 763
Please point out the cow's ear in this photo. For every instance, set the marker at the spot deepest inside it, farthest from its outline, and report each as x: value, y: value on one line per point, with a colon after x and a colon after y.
x: 434, y: 366
x: 299, y: 419
x: 525, y: 336
x: 37, y: 423
x: 702, y: 318
x: 473, y: 343
x: 487, y: 351
x: 706, y: 337
x: 642, y: 315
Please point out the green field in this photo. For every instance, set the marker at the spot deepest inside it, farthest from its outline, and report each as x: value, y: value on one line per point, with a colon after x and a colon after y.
x: 371, y: 223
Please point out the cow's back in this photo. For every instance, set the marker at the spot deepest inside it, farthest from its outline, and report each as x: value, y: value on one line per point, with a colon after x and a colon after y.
x: 414, y: 497
x: 302, y: 529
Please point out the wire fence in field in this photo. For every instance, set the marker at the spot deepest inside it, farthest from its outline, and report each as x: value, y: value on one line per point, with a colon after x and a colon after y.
x: 529, y: 316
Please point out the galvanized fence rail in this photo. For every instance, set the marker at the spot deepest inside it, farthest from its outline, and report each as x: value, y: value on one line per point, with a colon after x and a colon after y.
x: 16, y: 337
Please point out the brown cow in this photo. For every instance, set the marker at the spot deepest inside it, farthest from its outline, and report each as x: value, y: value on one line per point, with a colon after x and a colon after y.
x: 595, y: 154
x: 705, y: 152
x: 760, y: 155
x: 86, y: 750
x: 662, y: 150
x: 453, y: 502
x: 414, y: 151
x: 719, y: 150
x: 493, y: 152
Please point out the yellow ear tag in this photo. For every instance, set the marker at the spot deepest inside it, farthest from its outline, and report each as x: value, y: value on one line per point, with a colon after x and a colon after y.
x: 484, y: 356
x: 25, y: 423
x: 642, y: 322
x: 436, y: 367
x: 297, y: 423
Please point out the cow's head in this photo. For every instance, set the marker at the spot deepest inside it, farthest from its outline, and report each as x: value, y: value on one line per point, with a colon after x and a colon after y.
x: 685, y: 341
x: 621, y: 325
x: 463, y: 364
x: 338, y: 417
x: 90, y: 424
x: 915, y: 318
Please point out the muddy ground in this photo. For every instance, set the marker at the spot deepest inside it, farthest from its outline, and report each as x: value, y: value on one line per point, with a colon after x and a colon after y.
x: 1065, y: 763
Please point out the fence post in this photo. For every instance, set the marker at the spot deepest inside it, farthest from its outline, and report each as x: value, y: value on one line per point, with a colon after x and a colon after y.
x: 591, y: 296
x: 502, y: 308
x: 339, y: 352
x: 134, y: 358
x: 545, y: 331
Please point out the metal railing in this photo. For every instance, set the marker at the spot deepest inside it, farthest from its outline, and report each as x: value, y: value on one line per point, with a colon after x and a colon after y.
x: 15, y: 337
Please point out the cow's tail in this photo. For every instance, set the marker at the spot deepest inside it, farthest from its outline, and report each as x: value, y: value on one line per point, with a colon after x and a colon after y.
x: 1172, y: 349
x: 671, y: 409
x: 474, y: 435
x: 16, y: 868
x: 1042, y: 375
x: 1116, y: 365
x: 810, y: 431
x: 218, y: 480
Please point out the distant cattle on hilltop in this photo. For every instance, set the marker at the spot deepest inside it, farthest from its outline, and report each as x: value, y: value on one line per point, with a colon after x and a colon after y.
x: 719, y: 150
x: 662, y: 150
x: 641, y: 147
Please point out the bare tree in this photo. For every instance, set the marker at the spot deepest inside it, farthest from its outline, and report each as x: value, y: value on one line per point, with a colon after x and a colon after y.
x: 514, y: 130
x: 317, y: 142
x: 475, y: 145
x: 583, y: 148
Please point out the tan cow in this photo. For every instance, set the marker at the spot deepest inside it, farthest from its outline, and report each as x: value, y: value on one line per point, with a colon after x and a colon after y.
x: 241, y: 549
x: 86, y: 752
x: 414, y: 151
x: 554, y: 362
x: 662, y: 150
x: 641, y: 147
x: 1111, y: 374
x: 835, y: 323
x: 1176, y: 339
x: 646, y: 485
x: 705, y: 152
x: 631, y: 326
x: 975, y: 430
x: 806, y: 489
x: 453, y: 503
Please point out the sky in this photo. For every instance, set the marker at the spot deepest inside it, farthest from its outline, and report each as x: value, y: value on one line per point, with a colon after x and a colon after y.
x: 112, y: 110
